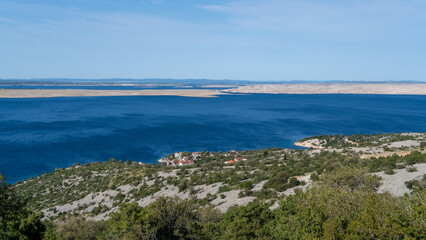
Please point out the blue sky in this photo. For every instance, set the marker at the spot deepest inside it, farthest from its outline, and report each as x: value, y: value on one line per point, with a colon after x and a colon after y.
x: 232, y: 39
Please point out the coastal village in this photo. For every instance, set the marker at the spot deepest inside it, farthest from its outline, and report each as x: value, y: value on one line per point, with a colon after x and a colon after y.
x: 187, y: 158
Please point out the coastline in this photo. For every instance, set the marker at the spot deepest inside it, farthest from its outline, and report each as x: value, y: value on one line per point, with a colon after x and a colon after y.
x: 334, y: 88
x: 286, y: 88
x: 165, y: 182
x: 50, y: 93
x: 310, y: 144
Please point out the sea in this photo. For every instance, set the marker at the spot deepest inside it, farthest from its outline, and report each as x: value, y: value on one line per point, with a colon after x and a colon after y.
x: 38, y: 135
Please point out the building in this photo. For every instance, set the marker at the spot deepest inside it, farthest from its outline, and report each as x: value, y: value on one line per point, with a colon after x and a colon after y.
x: 184, y: 163
x: 196, y: 155
x: 178, y: 155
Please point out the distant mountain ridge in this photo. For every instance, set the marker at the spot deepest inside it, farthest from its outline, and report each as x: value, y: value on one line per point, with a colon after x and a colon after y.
x: 74, y: 81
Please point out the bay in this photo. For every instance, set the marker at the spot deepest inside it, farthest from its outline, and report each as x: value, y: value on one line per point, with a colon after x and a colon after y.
x: 39, y: 135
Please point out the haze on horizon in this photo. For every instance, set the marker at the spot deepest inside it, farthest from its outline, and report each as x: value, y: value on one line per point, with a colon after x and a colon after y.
x: 373, y: 40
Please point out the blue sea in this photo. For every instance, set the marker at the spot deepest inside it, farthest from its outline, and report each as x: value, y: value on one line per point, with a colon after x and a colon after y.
x: 39, y: 135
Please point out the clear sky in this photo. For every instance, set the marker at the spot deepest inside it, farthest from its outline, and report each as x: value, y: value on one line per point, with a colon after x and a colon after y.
x: 223, y: 39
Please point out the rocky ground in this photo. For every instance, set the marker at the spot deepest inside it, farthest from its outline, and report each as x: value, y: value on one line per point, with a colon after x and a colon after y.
x: 123, y: 181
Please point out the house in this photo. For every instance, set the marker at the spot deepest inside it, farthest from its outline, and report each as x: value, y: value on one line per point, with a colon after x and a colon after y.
x: 196, y: 155
x: 176, y: 162
x: 178, y: 155
x: 185, y: 158
x: 237, y: 159
x: 229, y: 162
x: 184, y: 163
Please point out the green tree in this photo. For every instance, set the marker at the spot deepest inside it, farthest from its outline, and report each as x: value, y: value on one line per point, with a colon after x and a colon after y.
x: 130, y: 222
x: 166, y: 218
x: 345, y: 206
x: 278, y: 181
x: 77, y: 228
x: 17, y: 221
x: 351, y: 179
x: 413, y: 211
x: 247, y: 222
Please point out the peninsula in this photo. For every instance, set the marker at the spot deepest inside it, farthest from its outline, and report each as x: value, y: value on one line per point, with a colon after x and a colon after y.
x: 334, y: 88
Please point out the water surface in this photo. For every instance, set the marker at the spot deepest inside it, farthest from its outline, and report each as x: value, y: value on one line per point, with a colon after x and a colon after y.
x: 39, y: 135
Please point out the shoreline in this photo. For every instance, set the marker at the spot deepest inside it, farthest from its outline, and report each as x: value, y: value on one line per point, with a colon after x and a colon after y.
x: 334, y: 88
x: 310, y: 88
x: 51, y: 93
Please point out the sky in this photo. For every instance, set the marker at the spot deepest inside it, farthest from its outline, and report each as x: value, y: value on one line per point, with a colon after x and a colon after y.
x: 371, y: 40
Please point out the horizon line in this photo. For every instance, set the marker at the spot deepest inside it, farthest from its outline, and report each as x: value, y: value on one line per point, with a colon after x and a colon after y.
x: 193, y: 79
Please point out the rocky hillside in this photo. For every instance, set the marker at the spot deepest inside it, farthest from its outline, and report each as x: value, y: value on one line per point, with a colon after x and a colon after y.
x: 226, y: 179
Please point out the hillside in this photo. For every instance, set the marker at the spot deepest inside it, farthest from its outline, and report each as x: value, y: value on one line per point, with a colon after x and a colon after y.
x: 225, y: 179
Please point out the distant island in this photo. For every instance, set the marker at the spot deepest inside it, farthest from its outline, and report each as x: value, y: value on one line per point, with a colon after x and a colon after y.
x: 198, y: 88
x: 46, y: 93
x: 334, y: 88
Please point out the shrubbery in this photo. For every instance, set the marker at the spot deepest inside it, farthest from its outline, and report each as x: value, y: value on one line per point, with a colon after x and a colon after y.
x: 16, y: 220
x: 343, y: 205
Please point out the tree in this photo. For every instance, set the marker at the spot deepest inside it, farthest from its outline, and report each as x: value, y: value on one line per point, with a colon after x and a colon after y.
x: 77, y: 228
x: 247, y: 222
x: 17, y: 221
x: 345, y: 206
x: 352, y: 179
x: 166, y: 218
x: 130, y: 222
x: 174, y: 218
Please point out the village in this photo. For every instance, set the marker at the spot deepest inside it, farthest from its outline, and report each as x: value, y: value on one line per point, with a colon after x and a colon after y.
x: 187, y: 158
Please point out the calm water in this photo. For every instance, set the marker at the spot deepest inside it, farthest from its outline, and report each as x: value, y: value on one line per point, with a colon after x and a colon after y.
x: 39, y: 135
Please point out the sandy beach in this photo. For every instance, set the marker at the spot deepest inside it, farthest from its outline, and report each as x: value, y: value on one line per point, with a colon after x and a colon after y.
x: 332, y: 88
x: 45, y: 93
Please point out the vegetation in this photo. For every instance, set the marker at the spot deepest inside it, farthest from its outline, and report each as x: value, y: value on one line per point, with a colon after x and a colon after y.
x: 418, y: 185
x: 17, y: 221
x: 341, y: 202
x: 274, y: 170
x: 342, y: 205
x: 360, y: 140
x: 344, y: 213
